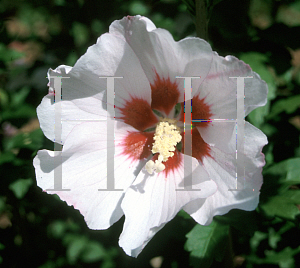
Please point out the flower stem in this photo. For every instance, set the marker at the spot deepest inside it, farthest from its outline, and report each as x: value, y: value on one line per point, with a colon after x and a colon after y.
x: 201, y: 19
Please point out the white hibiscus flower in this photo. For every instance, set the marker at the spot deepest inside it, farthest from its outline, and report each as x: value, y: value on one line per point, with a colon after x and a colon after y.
x: 149, y: 126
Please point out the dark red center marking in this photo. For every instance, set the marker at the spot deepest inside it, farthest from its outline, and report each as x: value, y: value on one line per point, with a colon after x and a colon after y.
x: 164, y: 94
x: 199, y: 147
x: 200, y: 111
x: 138, y: 145
x: 138, y: 114
x: 171, y: 164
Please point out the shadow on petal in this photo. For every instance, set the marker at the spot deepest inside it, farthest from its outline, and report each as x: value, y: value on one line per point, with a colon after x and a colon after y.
x: 51, y: 162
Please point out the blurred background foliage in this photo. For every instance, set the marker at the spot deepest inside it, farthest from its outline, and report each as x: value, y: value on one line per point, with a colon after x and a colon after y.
x: 39, y: 230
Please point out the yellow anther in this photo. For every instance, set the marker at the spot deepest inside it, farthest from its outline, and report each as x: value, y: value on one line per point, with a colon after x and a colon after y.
x: 166, y: 137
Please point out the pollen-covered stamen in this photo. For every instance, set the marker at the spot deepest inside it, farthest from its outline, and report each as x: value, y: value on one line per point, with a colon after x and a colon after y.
x: 158, y: 166
x: 166, y: 137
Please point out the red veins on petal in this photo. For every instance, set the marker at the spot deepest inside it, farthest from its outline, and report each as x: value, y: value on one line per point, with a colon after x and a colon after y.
x: 138, y: 114
x: 199, y: 147
x: 138, y: 145
x: 164, y: 94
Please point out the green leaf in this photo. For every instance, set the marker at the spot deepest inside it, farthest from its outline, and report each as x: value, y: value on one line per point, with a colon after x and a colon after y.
x: 207, y: 243
x: 296, y: 5
x: 93, y: 252
x: 284, y: 258
x: 57, y: 228
x: 80, y: 33
x: 257, y: 238
x: 32, y: 140
x: 6, y: 157
x: 293, y: 195
x: 75, y: 246
x: 138, y: 8
x: 274, y: 238
x: 97, y: 27
x: 23, y: 111
x: 288, y: 171
x: 283, y: 205
x: 277, y: 199
x: 288, y: 105
x: 7, y: 55
x: 9, y: 157
x: 18, y: 98
x: 184, y: 215
x: 4, y: 100
x: 290, y: 14
x: 286, y: 227
x: 20, y: 187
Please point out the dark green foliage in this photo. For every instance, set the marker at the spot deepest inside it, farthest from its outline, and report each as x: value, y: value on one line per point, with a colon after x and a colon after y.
x: 207, y: 243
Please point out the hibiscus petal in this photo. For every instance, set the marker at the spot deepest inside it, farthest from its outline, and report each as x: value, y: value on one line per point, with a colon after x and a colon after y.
x: 84, y: 94
x: 200, y: 149
x: 219, y: 92
x: 71, y: 113
x: 222, y: 169
x: 112, y: 56
x: 84, y: 171
x: 221, y: 135
x: 153, y: 200
x: 160, y: 54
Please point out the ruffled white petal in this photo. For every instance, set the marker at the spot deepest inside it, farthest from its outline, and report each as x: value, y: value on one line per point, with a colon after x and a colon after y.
x: 153, y: 200
x: 84, y: 171
x: 84, y: 95
x: 159, y: 53
x: 142, y: 54
x: 222, y: 169
x: 220, y: 93
x: 112, y: 56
